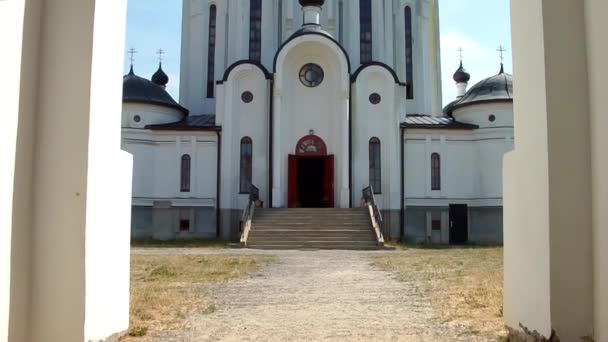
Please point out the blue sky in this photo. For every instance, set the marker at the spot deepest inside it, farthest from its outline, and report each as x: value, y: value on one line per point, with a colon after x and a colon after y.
x: 478, y: 26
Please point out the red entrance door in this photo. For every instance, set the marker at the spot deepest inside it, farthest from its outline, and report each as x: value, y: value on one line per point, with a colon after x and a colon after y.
x: 311, y: 181
x: 311, y: 175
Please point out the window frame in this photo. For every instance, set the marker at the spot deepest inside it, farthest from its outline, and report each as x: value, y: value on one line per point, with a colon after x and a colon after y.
x: 211, y: 43
x: 255, y: 30
x: 375, y: 165
x: 435, y: 172
x: 186, y: 173
x: 246, y: 165
x: 366, y: 38
x: 409, y: 51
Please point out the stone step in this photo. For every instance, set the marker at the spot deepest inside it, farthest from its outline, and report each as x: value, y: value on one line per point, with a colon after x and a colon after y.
x: 307, y: 247
x: 313, y: 237
x: 309, y: 228
x: 312, y: 229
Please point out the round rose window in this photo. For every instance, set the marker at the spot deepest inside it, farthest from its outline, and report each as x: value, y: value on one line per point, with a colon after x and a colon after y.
x: 311, y: 75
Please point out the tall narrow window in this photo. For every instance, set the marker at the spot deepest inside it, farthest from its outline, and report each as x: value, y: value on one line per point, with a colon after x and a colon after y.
x: 435, y: 172
x: 409, y: 54
x: 375, y: 166
x: 255, y: 30
x: 365, y: 19
x: 246, y: 164
x: 185, y: 173
x: 341, y: 22
x: 211, y: 52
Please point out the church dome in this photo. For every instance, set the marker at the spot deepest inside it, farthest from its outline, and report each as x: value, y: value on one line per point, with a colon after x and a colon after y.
x: 137, y: 89
x: 498, y: 88
x: 317, y: 3
x: 160, y: 77
x: 461, y: 75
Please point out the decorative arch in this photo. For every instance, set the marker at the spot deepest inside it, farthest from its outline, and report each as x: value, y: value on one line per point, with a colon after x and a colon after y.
x: 311, y: 145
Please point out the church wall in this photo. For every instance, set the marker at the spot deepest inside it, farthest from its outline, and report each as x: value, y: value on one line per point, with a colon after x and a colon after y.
x: 471, y: 171
x: 233, y: 42
x: 157, y: 199
x: 485, y: 226
x: 299, y: 109
x: 148, y: 115
x: 377, y: 121
x: 479, y: 114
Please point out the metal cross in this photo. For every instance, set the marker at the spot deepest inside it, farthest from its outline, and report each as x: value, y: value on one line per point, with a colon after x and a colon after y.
x: 501, y: 50
x: 132, y: 52
x: 160, y: 54
x: 460, y: 51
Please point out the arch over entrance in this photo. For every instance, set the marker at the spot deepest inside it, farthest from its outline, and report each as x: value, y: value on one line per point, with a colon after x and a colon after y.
x: 311, y: 175
x: 311, y: 145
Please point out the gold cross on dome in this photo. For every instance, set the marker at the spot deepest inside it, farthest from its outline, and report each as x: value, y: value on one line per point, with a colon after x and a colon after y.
x: 460, y: 51
x: 501, y: 50
x: 160, y: 54
x: 132, y: 52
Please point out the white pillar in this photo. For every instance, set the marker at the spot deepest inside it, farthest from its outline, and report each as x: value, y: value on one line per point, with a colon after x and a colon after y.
x: 345, y: 157
x: 547, y: 187
x: 278, y: 200
x: 597, y: 53
x: 69, y: 170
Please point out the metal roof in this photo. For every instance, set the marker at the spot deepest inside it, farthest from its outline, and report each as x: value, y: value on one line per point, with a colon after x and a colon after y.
x: 498, y: 88
x: 140, y: 90
x: 431, y: 122
x: 190, y: 123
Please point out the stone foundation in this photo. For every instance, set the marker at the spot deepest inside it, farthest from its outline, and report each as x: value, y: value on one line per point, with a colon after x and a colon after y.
x: 525, y: 335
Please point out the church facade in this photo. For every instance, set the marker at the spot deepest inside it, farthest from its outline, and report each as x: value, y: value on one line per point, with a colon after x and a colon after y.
x: 310, y: 102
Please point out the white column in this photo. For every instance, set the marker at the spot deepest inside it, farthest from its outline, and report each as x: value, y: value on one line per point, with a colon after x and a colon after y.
x: 597, y: 53
x: 278, y: 200
x: 547, y: 184
x: 378, y: 42
x: 345, y: 157
x: 72, y: 163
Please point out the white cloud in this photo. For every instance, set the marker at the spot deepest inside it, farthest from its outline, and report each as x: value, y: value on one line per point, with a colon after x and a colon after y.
x: 479, y: 60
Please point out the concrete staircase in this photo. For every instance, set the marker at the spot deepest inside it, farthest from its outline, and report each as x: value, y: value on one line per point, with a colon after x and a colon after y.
x: 348, y: 229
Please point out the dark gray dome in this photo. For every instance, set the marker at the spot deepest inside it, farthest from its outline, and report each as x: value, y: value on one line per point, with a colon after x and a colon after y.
x: 461, y: 75
x: 137, y: 89
x: 317, y: 3
x: 160, y: 77
x: 498, y: 88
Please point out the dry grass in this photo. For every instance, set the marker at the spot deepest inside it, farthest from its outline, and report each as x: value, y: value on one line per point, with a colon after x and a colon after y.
x: 191, y: 243
x: 465, y: 285
x: 165, y: 289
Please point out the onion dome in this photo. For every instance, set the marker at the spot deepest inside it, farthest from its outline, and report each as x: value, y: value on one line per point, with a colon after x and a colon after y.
x: 160, y: 77
x: 461, y: 75
x: 316, y: 3
x: 137, y: 89
x: 498, y: 88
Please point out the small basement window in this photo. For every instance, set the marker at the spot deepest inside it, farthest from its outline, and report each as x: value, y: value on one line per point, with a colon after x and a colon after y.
x: 184, y: 225
x: 436, y: 224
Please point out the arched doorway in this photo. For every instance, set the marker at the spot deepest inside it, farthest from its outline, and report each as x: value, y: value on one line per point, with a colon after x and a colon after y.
x: 311, y: 175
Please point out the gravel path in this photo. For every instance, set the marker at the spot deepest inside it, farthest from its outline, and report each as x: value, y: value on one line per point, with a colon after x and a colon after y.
x: 319, y: 296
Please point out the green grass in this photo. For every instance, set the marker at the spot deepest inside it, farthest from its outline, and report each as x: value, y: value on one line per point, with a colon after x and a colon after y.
x: 194, y: 243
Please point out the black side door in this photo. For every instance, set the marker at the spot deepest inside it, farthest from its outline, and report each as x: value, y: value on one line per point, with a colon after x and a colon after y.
x: 459, y: 224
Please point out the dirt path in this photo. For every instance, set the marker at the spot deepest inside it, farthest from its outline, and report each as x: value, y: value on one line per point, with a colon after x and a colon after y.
x: 320, y: 296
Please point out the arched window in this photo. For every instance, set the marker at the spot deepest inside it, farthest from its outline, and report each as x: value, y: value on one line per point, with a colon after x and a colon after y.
x: 365, y: 21
x: 211, y: 52
x: 435, y: 171
x: 375, y: 165
x: 255, y: 30
x: 409, y: 54
x: 185, y: 173
x: 246, y: 164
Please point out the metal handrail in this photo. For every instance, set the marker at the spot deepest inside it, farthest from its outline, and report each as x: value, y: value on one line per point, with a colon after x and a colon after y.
x: 247, y: 217
x: 375, y: 213
x: 370, y: 198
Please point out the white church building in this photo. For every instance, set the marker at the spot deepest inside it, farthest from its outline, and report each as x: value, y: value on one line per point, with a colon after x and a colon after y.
x: 310, y: 102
